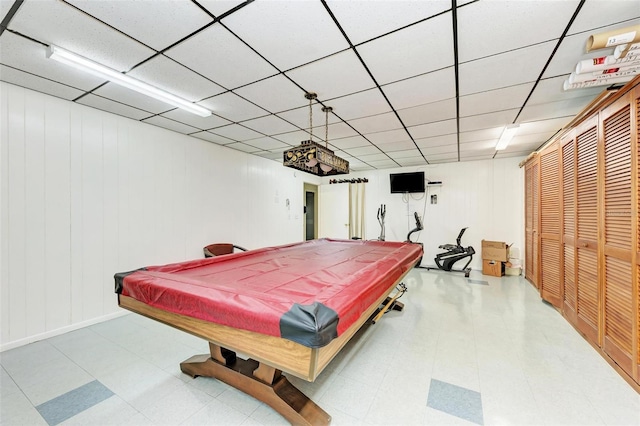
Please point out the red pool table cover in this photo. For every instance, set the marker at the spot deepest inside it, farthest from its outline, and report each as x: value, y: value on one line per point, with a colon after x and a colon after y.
x: 308, y: 292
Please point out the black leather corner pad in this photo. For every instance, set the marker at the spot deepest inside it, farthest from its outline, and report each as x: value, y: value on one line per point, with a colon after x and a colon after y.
x: 313, y: 326
x: 119, y: 278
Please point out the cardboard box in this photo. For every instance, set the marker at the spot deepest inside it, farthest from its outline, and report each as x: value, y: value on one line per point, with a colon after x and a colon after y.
x: 494, y: 268
x: 512, y: 271
x: 495, y: 250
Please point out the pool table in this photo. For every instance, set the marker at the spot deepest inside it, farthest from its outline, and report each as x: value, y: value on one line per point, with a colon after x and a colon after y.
x: 290, y: 308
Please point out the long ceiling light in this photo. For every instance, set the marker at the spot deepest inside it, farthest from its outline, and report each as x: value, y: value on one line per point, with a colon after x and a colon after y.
x: 94, y: 68
x: 507, y: 134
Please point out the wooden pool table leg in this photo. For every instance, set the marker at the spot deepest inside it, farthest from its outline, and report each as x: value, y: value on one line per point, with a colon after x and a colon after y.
x: 261, y: 381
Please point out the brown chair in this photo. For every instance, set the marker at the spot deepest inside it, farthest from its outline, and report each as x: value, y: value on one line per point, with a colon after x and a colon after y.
x: 220, y: 249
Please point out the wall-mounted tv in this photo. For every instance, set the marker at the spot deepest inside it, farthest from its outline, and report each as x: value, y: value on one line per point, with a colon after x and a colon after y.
x: 406, y: 182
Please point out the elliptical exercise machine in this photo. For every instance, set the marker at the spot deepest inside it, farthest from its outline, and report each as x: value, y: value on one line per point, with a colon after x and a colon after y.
x: 454, y: 253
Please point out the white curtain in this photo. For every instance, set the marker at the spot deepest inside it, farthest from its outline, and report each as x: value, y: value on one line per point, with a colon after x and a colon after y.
x: 356, y: 210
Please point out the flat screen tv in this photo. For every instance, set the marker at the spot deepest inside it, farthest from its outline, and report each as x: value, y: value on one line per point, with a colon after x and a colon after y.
x: 406, y: 182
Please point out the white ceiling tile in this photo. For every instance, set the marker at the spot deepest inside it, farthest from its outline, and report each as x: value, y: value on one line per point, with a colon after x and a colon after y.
x: 485, y: 154
x: 424, y: 89
x: 194, y: 120
x: 430, y: 151
x: 29, y: 56
x: 564, y: 108
x: 5, y: 6
x: 239, y: 146
x: 54, y: 22
x: 411, y: 161
x: 285, y: 33
x: 218, y: 7
x: 369, y: 158
x: 361, y: 104
x: 224, y: 58
x: 407, y: 153
x: 486, y: 121
x: 363, y: 150
x: 377, y: 123
x: 389, y: 136
x: 293, y: 138
x: 503, y: 70
x: 267, y: 143
x: 428, y: 113
x: 494, y: 100
x: 274, y: 94
x: 536, y: 139
x: 364, y: 20
x: 443, y: 158
x: 33, y: 82
x: 337, y: 75
x: 397, y: 146
x: 129, y: 97
x: 407, y: 53
x: 153, y: 24
x: 269, y: 125
x: 478, y: 146
x: 596, y: 14
x: 438, y: 128
x: 434, y: 141
x: 550, y: 90
x: 543, y: 126
x: 300, y: 117
x: 509, y: 154
x: 350, y: 142
x: 208, y: 136
x: 113, y: 106
x: 383, y: 164
x: 236, y: 132
x: 481, y: 135
x: 170, y: 124
x: 233, y: 107
x: 519, y: 25
x: 336, y: 131
x: 161, y: 72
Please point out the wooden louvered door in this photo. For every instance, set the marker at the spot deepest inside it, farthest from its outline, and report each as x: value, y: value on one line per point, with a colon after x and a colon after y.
x: 549, y: 278
x: 586, y: 241
x: 568, y: 258
x: 616, y: 217
x: 635, y: 158
x: 532, y: 176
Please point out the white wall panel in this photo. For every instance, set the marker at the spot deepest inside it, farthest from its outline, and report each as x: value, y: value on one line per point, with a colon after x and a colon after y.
x: 57, y: 262
x: 92, y: 213
x: 34, y: 213
x: 4, y: 215
x: 16, y: 232
x: 110, y: 210
x: 75, y: 204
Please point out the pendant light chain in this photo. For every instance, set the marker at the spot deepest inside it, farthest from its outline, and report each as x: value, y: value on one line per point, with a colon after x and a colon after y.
x: 311, y: 96
x: 326, y: 110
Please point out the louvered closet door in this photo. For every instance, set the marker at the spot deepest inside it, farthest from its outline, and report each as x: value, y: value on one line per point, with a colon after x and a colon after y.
x: 531, y: 219
x: 635, y: 144
x: 550, y: 288
x: 570, y: 296
x: 586, y: 242
x: 617, y: 279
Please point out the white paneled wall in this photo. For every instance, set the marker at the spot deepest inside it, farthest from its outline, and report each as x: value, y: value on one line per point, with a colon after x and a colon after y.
x: 485, y: 196
x: 86, y: 194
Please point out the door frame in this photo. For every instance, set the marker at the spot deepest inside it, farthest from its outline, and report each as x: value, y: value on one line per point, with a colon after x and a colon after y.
x: 310, y: 187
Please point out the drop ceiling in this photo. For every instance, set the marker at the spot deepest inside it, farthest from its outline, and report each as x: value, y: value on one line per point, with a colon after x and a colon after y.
x: 410, y: 82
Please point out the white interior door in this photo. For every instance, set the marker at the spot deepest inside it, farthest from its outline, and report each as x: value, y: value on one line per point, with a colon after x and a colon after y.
x: 333, y: 211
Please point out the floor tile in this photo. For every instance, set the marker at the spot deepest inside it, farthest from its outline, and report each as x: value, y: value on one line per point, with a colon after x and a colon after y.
x: 455, y: 400
x: 73, y: 402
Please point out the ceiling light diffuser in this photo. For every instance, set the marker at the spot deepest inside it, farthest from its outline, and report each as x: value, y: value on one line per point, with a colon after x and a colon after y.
x: 507, y: 134
x: 68, y: 58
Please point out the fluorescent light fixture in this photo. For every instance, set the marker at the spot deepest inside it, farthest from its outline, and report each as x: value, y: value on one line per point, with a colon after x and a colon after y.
x: 507, y: 134
x: 94, y: 68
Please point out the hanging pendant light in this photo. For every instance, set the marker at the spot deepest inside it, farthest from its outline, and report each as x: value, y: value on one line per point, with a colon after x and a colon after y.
x: 311, y: 157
